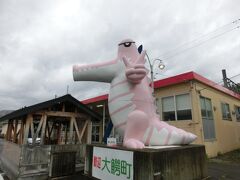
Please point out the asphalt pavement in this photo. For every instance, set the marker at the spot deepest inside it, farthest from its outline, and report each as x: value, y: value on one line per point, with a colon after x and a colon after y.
x: 223, y: 170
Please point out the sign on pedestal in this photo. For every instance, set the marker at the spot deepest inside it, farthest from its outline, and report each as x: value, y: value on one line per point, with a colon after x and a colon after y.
x: 112, y: 164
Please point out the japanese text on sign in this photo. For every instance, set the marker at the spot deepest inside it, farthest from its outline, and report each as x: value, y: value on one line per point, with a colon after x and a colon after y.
x: 110, y: 163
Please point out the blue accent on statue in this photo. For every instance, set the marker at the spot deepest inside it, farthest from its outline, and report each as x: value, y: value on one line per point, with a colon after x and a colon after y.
x: 140, y: 48
x: 108, y: 131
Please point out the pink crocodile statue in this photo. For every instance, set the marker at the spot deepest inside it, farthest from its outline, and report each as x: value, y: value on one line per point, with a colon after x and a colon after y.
x: 131, y: 104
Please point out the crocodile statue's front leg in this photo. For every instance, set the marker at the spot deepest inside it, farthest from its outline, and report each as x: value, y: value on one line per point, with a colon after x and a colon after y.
x: 137, y: 120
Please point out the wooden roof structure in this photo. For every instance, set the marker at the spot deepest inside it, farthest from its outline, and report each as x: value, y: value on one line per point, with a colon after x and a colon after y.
x: 63, y: 120
x: 66, y: 98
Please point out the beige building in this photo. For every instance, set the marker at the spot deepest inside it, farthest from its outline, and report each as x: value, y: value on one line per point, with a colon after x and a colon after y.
x: 195, y: 104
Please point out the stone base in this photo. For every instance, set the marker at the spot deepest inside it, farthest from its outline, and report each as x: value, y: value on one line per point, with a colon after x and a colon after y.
x: 174, y: 162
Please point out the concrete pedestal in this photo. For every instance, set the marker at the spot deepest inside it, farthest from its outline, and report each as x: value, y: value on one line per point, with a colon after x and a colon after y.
x: 171, y: 163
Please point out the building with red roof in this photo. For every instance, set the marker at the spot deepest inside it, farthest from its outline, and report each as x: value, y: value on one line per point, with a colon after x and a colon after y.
x: 193, y: 103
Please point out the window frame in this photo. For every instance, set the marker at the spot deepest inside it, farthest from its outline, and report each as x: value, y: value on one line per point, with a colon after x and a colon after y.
x: 94, y: 134
x: 175, y: 106
x: 229, y: 109
x: 237, y: 113
x: 207, y: 117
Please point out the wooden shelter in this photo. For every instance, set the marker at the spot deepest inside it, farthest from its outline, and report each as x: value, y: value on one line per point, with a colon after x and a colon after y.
x: 40, y: 136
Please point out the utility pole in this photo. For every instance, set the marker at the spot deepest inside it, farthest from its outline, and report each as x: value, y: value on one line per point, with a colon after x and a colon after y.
x: 224, y: 74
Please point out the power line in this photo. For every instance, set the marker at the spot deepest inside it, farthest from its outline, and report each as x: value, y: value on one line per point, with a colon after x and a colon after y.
x: 202, y: 39
x: 200, y: 43
x: 234, y: 76
x: 235, y: 22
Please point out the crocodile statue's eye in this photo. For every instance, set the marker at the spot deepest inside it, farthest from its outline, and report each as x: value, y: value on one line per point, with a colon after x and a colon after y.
x: 127, y: 44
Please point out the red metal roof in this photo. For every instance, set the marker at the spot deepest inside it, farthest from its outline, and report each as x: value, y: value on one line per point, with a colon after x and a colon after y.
x: 95, y: 99
x: 176, y: 80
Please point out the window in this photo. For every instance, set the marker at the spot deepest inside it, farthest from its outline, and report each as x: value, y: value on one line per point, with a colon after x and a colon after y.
x: 207, y: 118
x: 226, y: 111
x: 176, y: 107
x: 95, y: 133
x: 237, y: 112
x: 168, y: 109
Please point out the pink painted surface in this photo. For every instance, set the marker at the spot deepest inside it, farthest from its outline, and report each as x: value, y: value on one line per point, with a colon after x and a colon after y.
x: 131, y: 105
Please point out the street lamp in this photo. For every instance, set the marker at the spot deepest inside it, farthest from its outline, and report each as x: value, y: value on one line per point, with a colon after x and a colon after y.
x: 160, y: 66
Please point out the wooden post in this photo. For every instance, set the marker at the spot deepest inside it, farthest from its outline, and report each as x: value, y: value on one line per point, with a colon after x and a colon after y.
x: 8, y: 129
x: 38, y: 129
x: 21, y: 133
x: 77, y: 130
x: 59, y: 131
x: 26, y: 131
x: 47, y: 133
x: 15, y: 131
x: 71, y: 130
x: 89, y: 132
x: 32, y: 128
x: 17, y: 135
x: 48, y: 129
x: 83, y: 129
x: 66, y: 136
x: 50, y: 132
x: 43, y: 129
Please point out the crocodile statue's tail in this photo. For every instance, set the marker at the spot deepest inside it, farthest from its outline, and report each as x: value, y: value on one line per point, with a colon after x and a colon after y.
x: 161, y: 133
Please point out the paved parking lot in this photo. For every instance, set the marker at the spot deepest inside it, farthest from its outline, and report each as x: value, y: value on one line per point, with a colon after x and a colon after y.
x: 223, y: 170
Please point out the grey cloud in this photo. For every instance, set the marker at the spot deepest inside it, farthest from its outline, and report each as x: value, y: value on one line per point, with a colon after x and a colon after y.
x: 41, y: 40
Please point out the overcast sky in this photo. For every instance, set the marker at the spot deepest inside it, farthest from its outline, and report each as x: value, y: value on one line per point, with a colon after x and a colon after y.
x: 41, y: 40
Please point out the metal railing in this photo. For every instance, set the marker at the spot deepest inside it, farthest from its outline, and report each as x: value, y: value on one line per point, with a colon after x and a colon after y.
x: 26, y: 160
x: 232, y: 85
